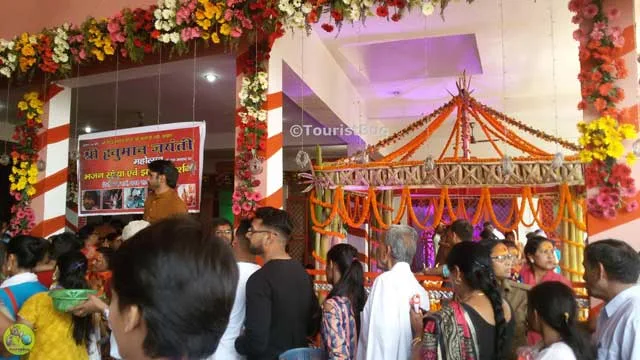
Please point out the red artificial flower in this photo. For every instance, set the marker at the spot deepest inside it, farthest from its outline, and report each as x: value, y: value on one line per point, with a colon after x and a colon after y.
x: 382, y: 11
x: 582, y: 105
x: 600, y: 104
x: 155, y: 34
x: 396, y: 17
x: 327, y: 27
x: 605, y: 89
x: 313, y: 17
x: 337, y: 15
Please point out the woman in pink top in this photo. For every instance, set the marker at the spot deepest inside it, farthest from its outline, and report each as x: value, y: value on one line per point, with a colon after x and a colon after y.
x: 541, y: 260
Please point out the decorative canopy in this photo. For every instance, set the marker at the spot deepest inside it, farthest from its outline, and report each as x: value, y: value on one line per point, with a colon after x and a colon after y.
x: 460, y: 168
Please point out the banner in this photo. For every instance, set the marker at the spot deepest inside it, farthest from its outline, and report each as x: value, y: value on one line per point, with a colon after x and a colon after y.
x: 113, y: 173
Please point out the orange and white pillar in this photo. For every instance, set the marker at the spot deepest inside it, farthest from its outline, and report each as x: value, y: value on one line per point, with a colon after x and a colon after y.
x: 49, y: 202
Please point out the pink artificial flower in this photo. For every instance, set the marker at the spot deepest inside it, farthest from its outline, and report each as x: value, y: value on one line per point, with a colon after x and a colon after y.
x: 576, y: 5
x: 609, y: 213
x: 618, y: 42
x: 246, y: 23
x: 603, y: 199
x: 236, y: 32
x: 123, y: 52
x: 228, y: 15
x: 599, y: 25
x: 577, y: 34
x: 20, y: 214
x: 590, y: 11
x: 592, y: 202
x: 629, y: 191
x: 577, y: 19
x: 597, y: 35
x: 257, y: 197
x: 189, y: 33
x: 31, y: 225
x: 247, y: 206
x: 17, y: 196
x: 113, y: 26
x: 613, y: 13
x: 236, y: 209
x: 632, y: 206
x: 183, y: 15
x: 614, y: 199
x: 82, y: 54
x: 236, y: 196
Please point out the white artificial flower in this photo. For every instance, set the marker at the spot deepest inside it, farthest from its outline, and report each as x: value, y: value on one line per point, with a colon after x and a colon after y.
x: 167, y: 14
x: 262, y: 115
x: 157, y: 14
x: 64, y: 58
x: 166, y: 26
x: 306, y: 8
x: 160, y: 3
x: 298, y: 19
x: 297, y: 3
x: 346, y: 2
x: 11, y: 45
x: 367, y: 3
x: 5, y: 71
x: 33, y: 40
x: 246, y: 81
x: 170, y: 3
x: 158, y: 25
x: 55, y: 58
x: 12, y: 57
x: 428, y: 8
x: 175, y: 37
x: 164, y: 38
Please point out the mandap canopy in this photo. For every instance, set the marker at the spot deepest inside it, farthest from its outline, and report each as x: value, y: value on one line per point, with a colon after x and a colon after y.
x: 357, y: 197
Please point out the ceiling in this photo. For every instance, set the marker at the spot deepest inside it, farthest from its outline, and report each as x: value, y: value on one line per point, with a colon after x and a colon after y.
x: 520, y: 54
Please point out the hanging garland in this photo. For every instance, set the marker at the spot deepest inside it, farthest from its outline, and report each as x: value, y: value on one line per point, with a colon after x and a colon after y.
x: 24, y: 171
x: 602, y: 139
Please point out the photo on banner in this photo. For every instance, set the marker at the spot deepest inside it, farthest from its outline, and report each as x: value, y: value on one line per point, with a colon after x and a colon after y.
x: 113, y: 172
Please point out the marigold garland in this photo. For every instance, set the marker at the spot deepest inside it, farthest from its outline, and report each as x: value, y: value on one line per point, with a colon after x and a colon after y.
x: 370, y: 210
x: 24, y: 172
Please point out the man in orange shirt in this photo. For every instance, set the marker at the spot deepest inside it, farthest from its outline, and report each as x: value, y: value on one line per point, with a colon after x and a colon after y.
x: 163, y: 200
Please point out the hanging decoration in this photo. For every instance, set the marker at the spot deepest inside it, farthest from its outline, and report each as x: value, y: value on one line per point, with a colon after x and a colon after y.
x: 429, y: 164
x: 558, y: 160
x: 302, y: 159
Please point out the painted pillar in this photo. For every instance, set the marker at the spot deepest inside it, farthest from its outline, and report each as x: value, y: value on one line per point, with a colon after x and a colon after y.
x: 272, y: 177
x: 49, y: 203
x: 624, y: 224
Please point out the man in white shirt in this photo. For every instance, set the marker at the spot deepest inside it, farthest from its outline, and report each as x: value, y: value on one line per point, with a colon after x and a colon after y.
x: 611, y: 273
x: 226, y: 348
x: 386, y: 328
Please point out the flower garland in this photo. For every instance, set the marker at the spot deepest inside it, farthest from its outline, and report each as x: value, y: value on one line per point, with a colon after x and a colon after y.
x: 601, y: 67
x: 251, y: 139
x: 25, y: 156
x: 135, y: 33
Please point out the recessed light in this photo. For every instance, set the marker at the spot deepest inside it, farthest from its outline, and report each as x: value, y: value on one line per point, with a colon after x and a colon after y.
x: 88, y: 129
x: 210, y: 77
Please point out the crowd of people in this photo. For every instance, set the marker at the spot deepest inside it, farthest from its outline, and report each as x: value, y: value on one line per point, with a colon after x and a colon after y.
x: 173, y: 287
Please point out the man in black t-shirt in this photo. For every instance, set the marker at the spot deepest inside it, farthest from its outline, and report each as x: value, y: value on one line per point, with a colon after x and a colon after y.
x: 282, y: 309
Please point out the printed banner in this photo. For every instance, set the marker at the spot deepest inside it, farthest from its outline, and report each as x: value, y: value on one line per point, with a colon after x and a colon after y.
x: 113, y: 173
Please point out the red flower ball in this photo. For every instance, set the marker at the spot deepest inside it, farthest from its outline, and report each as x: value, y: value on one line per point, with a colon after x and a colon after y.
x: 327, y: 27
x: 382, y: 11
x: 396, y: 17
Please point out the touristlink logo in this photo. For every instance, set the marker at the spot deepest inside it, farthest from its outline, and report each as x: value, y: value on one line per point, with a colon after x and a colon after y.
x: 358, y: 130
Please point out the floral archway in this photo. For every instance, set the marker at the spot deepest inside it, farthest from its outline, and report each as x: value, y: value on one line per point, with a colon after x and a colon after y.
x: 174, y: 26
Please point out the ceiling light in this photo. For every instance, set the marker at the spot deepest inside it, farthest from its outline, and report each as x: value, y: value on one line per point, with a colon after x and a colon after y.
x: 87, y: 129
x: 210, y: 77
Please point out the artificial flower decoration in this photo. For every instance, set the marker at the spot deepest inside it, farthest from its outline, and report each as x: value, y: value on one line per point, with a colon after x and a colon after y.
x: 24, y: 172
